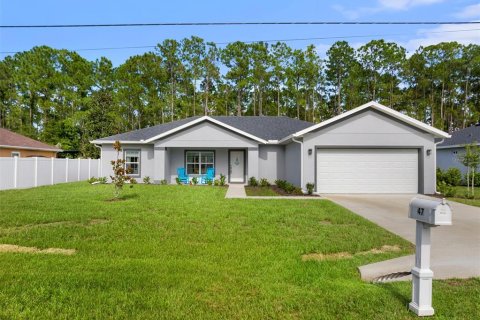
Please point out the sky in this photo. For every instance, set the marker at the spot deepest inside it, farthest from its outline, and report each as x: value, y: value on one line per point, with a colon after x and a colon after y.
x: 18, y: 12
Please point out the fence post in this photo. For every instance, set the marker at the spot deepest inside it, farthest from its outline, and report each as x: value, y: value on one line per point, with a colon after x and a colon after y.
x: 78, y: 169
x: 51, y: 168
x: 15, y: 172
x: 89, y: 166
x: 35, y: 181
x: 66, y: 170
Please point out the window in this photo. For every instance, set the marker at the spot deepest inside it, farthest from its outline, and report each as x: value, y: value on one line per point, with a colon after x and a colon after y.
x: 132, y: 162
x: 197, y: 162
x: 15, y: 154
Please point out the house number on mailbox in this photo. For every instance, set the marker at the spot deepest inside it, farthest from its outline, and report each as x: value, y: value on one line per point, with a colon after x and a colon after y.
x: 420, y: 211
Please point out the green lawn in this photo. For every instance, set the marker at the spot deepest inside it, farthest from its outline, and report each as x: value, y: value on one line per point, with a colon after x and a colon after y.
x: 178, y: 252
x: 463, y: 190
x: 260, y: 192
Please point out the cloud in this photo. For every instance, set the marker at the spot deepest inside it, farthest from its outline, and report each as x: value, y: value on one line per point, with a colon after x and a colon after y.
x: 469, y: 12
x: 404, y: 4
x: 382, y: 5
x: 443, y: 33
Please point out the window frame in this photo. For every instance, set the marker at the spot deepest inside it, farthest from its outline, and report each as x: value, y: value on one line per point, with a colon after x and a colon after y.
x: 200, y: 161
x: 134, y: 175
x: 15, y: 154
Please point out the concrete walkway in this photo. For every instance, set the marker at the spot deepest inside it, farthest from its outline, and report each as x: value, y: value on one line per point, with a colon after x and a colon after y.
x: 455, y: 249
x: 236, y: 190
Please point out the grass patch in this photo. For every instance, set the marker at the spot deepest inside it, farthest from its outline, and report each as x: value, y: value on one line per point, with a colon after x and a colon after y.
x: 176, y: 252
x: 460, y: 196
x: 260, y: 192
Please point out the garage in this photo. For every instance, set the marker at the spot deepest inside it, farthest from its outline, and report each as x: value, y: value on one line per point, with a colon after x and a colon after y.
x: 367, y: 170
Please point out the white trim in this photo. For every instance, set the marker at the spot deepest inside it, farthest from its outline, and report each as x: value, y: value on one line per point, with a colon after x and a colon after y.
x: 199, y: 120
x: 455, y: 146
x: 100, y: 142
x: 379, y: 107
x: 29, y: 148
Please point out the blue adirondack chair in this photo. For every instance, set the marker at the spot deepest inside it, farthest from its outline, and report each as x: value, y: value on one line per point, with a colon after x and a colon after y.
x: 182, y: 175
x: 210, y: 176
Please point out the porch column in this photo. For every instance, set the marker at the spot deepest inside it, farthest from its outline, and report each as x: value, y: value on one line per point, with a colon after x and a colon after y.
x: 159, y: 164
x: 252, y: 162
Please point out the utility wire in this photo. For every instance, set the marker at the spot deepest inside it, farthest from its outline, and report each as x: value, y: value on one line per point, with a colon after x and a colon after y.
x: 271, y: 40
x: 165, y: 24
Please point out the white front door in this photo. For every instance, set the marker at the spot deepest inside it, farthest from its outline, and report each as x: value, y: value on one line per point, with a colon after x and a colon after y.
x: 237, y: 166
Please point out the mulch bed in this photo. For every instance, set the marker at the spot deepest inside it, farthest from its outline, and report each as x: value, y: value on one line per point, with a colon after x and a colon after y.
x: 284, y: 193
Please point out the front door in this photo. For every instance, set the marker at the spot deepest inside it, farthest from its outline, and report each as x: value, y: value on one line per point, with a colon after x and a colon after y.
x: 237, y: 166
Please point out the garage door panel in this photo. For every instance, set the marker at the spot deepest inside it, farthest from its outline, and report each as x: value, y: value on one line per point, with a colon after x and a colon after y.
x: 367, y: 170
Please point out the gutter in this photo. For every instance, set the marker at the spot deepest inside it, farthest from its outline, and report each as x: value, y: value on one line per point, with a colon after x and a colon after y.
x: 435, y: 160
x: 301, y: 161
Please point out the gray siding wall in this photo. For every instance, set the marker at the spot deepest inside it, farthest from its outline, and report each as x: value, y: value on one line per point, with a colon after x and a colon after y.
x: 371, y: 129
x: 206, y: 135
x: 292, y: 164
x: 146, y: 160
x: 271, y: 162
x: 448, y: 158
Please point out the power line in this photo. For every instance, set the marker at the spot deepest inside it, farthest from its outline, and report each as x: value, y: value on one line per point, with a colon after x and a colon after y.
x: 271, y: 40
x: 166, y: 24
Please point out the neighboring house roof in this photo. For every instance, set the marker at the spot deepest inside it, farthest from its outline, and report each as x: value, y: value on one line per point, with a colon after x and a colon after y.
x: 375, y: 106
x: 260, y: 128
x: 15, y: 140
x: 462, y: 137
x: 265, y: 129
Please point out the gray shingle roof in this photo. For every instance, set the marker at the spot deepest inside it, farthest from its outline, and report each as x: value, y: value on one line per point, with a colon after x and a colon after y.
x: 464, y: 136
x: 264, y: 127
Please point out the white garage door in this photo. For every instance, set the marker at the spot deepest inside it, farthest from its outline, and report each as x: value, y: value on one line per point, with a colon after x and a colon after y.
x: 367, y: 170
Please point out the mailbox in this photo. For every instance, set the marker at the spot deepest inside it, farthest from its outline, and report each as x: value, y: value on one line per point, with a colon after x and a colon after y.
x: 433, y: 212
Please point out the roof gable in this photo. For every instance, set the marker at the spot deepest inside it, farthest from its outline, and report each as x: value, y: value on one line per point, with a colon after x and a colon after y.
x: 12, y: 139
x: 378, y: 107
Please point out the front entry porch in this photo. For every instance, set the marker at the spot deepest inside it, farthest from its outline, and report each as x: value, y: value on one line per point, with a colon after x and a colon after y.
x: 236, y: 164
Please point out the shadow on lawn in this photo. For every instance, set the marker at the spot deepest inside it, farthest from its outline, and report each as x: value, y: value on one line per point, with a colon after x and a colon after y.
x: 123, y: 197
x: 394, y: 291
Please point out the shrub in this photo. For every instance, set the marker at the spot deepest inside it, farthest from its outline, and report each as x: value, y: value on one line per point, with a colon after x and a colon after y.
x: 297, y: 191
x: 264, y: 183
x: 120, y: 173
x: 163, y: 182
x: 92, y: 180
x: 252, y: 182
x: 445, y: 189
x: 469, y: 195
x: 195, y: 181
x: 146, y: 180
x: 222, y: 179
x: 280, y: 183
x: 453, y: 176
x: 216, y: 182
x: 102, y: 180
x: 178, y: 181
x: 209, y: 182
x: 440, y: 176
x: 310, y: 186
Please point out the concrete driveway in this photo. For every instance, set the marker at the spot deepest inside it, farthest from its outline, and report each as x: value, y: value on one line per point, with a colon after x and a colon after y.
x: 455, y: 249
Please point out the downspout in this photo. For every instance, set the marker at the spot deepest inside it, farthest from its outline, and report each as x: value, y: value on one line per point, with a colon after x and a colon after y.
x: 100, y: 164
x: 435, y: 161
x: 301, y: 161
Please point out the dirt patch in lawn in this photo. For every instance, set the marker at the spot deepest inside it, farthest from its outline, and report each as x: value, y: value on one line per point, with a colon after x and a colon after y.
x: 27, y: 227
x: 347, y: 255
x: 11, y: 248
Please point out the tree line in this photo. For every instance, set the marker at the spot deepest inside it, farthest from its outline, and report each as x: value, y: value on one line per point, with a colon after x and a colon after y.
x: 61, y: 98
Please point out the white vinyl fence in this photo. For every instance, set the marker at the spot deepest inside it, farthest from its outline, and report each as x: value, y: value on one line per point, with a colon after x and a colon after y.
x: 20, y: 173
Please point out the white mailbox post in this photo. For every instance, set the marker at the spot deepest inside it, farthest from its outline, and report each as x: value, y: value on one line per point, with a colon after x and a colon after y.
x: 428, y: 213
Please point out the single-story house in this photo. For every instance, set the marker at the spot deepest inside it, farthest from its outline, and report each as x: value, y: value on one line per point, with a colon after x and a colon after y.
x: 370, y: 149
x: 16, y: 145
x: 449, y: 150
